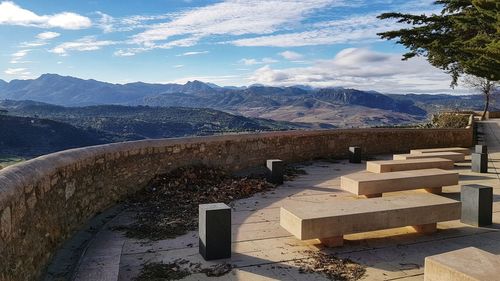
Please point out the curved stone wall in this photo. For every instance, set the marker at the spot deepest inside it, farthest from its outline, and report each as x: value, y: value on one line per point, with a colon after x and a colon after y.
x: 45, y: 200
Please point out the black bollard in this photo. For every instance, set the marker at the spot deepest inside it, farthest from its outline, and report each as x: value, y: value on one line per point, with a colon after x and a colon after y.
x: 354, y: 154
x: 214, y: 231
x: 477, y: 204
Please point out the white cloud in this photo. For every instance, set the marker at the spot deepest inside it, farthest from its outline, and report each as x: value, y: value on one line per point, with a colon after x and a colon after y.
x: 18, y: 56
x: 68, y: 20
x: 88, y: 43
x: 354, y: 29
x: 289, y: 55
x: 193, y: 53
x: 47, y: 35
x: 178, y: 66
x: 361, y: 69
x: 256, y: 61
x: 233, y: 17
x: 16, y: 71
x: 12, y: 14
x: 184, y: 42
x: 106, y: 22
x: 109, y: 23
x: 123, y: 53
x: 41, y: 39
x: 32, y: 44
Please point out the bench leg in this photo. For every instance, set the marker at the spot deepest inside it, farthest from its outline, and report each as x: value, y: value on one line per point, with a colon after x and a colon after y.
x: 435, y: 190
x: 375, y: 195
x: 337, y: 241
x: 426, y: 228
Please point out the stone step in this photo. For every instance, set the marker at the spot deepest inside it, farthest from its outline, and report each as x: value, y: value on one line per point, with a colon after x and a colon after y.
x: 453, y: 156
x: 462, y: 150
x: 386, y: 166
x: 372, y: 184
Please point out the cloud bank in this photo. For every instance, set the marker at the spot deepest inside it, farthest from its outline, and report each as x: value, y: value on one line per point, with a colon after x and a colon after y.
x: 363, y: 69
x: 12, y: 14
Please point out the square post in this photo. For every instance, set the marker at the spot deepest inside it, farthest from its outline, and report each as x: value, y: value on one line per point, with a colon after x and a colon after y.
x: 477, y: 204
x: 354, y: 154
x: 481, y: 148
x: 479, y: 162
x: 214, y: 231
x: 276, y: 171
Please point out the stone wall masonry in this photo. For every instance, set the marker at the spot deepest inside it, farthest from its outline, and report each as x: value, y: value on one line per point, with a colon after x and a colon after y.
x: 43, y: 201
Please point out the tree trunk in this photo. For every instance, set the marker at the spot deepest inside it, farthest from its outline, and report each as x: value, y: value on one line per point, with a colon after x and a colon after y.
x: 486, y: 105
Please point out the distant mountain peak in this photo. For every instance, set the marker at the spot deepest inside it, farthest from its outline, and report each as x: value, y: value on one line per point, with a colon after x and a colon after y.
x: 195, y: 82
x: 215, y: 86
x: 52, y: 76
x: 197, y: 86
x: 303, y: 87
x: 256, y: 85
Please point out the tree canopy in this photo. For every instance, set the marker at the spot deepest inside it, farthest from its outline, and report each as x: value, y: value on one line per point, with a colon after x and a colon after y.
x: 463, y: 39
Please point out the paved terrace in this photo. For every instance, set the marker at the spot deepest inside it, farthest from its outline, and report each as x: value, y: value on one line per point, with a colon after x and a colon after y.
x: 262, y: 250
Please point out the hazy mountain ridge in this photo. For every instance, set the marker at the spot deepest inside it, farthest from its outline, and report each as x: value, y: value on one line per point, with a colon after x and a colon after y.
x: 336, y: 106
x: 70, y: 91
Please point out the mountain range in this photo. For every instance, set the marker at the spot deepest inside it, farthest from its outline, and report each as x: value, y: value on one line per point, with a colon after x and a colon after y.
x: 336, y: 106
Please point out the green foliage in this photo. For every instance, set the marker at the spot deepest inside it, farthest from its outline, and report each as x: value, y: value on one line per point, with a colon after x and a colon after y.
x: 463, y: 39
x: 450, y: 120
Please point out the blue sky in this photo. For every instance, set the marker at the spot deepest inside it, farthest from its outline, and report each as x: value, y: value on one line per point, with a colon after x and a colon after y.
x: 317, y: 42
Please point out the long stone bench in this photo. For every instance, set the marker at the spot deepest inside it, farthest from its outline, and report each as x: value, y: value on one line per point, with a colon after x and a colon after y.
x: 462, y: 150
x: 373, y: 185
x: 453, y: 156
x: 330, y: 221
x: 410, y: 164
x: 462, y: 265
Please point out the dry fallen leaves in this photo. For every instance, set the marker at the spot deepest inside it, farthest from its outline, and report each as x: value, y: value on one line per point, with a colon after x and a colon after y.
x: 169, y: 206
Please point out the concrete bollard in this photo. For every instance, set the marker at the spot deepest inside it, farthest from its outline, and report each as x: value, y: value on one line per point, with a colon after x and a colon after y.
x: 479, y: 162
x: 477, y: 204
x: 214, y: 231
x: 276, y: 170
x: 481, y: 148
x: 354, y: 154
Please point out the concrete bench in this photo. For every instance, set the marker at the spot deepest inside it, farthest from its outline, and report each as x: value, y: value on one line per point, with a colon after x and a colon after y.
x: 462, y: 265
x: 373, y: 185
x: 411, y: 164
x: 453, y: 156
x: 329, y: 222
x: 462, y: 150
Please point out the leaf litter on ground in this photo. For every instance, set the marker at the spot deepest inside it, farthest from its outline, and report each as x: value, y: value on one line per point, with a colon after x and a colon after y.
x: 168, y: 207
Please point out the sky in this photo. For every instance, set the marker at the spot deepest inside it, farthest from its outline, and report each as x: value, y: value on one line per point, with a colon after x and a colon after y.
x: 320, y: 43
